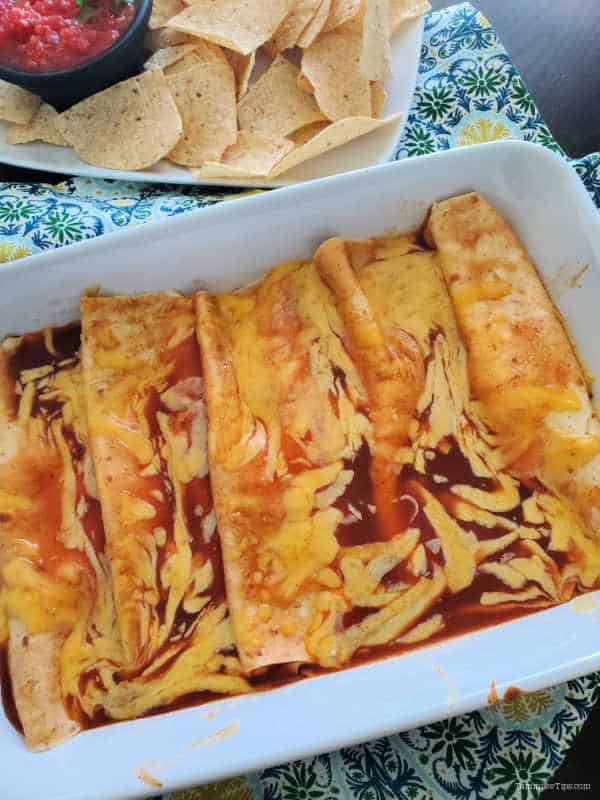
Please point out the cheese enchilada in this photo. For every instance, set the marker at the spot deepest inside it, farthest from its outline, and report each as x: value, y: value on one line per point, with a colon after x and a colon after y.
x: 147, y: 421
x: 361, y: 452
x: 51, y: 572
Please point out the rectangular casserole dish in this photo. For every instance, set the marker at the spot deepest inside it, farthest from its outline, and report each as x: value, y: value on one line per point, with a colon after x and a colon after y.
x: 229, y: 245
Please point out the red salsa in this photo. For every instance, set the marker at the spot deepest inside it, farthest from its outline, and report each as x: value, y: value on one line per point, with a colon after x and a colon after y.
x: 47, y: 35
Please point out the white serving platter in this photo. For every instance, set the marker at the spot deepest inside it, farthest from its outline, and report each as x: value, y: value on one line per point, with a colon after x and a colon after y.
x: 374, y: 148
x: 230, y: 244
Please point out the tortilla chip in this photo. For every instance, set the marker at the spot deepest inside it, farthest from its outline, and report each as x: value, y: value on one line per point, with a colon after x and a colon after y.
x: 192, y: 60
x: 275, y: 105
x: 240, y: 25
x: 253, y: 155
x: 167, y: 56
x: 305, y: 84
x: 41, y: 128
x: 242, y: 68
x: 17, y: 104
x: 289, y: 31
x: 203, y: 53
x: 332, y: 136
x: 165, y: 37
x: 181, y: 65
x: 162, y: 11
x: 131, y: 125
x: 209, y: 52
x: 316, y: 25
x: 308, y: 132
x: 341, y: 11
x: 376, y: 54
x: 205, y: 97
x: 402, y: 10
x: 378, y: 99
x: 331, y: 64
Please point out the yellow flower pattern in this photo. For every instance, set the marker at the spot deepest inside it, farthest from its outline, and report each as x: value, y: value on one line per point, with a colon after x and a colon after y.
x: 483, y: 130
x: 11, y: 252
x: 524, y: 705
x: 234, y: 789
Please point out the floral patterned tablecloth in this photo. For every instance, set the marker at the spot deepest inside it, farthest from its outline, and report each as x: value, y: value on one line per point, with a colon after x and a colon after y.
x: 468, y: 91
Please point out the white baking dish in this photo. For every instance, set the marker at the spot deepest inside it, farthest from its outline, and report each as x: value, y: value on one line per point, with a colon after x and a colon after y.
x: 228, y: 245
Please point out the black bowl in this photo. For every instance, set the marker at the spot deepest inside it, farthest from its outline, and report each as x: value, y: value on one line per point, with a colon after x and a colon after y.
x: 63, y: 88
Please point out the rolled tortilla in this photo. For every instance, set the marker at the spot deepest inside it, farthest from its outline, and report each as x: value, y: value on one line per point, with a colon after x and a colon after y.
x: 46, y: 580
x: 522, y: 366
x: 34, y: 664
x: 393, y: 373
x: 147, y: 420
x: 284, y: 437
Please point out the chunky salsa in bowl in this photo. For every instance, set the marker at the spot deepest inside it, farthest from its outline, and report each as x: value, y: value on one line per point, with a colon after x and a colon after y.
x: 67, y: 50
x: 51, y: 35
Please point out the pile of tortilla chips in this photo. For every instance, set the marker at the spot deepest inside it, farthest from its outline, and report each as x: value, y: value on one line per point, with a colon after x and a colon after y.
x: 198, y: 103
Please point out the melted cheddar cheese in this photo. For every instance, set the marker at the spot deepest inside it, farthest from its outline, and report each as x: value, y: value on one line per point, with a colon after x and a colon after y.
x: 293, y: 585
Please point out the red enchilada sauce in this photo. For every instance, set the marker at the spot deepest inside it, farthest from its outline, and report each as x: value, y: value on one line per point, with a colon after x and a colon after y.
x: 31, y: 354
x: 8, y: 699
x: 196, y: 495
x: 49, y: 35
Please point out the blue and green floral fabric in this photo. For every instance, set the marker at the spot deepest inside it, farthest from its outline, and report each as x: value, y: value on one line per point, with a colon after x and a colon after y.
x: 468, y: 91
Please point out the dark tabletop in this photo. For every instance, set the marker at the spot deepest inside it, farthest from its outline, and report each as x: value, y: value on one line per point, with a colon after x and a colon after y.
x: 555, y: 45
